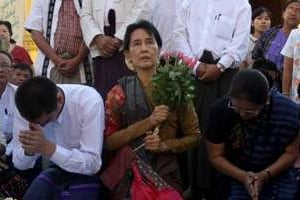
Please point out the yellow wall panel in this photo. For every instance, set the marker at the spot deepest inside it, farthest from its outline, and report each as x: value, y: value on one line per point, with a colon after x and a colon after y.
x: 16, y: 11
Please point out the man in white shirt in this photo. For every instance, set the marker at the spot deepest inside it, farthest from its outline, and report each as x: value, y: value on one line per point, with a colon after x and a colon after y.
x: 7, y: 98
x: 217, y: 34
x: 104, y: 23
x: 65, y: 124
x: 162, y: 16
x: 55, y: 28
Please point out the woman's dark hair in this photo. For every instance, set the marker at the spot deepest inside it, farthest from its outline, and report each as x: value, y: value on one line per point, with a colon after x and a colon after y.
x: 258, y: 11
x: 264, y: 65
x: 35, y: 97
x: 141, y: 24
x: 298, y: 90
x: 9, y: 28
x: 251, y: 85
x: 7, y: 54
x: 289, y: 2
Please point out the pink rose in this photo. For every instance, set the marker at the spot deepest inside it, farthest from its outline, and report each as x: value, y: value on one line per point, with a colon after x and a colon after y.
x: 189, y: 62
x: 180, y: 55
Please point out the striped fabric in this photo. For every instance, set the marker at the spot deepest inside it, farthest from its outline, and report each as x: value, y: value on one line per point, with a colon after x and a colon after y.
x: 276, y: 129
x: 68, y: 36
x: 55, y: 183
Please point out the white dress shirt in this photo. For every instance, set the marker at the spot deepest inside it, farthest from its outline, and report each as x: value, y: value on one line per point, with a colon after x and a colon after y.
x: 162, y: 16
x: 291, y: 50
x: 37, y: 21
x: 94, y: 12
x: 7, y: 110
x: 77, y: 133
x: 220, y: 26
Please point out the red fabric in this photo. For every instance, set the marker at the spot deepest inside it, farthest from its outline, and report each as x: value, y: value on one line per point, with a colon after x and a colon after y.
x: 20, y: 55
x: 143, y: 189
x: 115, y: 100
x: 68, y: 36
x: 117, y: 168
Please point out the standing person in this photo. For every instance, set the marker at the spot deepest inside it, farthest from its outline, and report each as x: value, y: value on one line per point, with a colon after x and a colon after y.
x: 64, y: 126
x: 216, y: 33
x: 20, y: 73
x: 131, y: 115
x: 18, y: 53
x: 273, y: 40
x: 104, y: 23
x: 55, y: 28
x: 253, y: 139
x: 10, y: 183
x: 291, y: 65
x: 162, y: 17
x: 261, y: 21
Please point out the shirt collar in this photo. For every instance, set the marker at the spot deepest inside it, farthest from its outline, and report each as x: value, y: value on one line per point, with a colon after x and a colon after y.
x: 61, y: 114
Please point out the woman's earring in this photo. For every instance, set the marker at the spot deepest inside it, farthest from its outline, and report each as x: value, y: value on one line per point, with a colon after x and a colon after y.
x: 129, y: 64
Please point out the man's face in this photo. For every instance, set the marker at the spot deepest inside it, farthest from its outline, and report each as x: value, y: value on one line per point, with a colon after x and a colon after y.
x: 45, y: 118
x: 19, y: 76
x: 291, y: 15
x: 5, y: 68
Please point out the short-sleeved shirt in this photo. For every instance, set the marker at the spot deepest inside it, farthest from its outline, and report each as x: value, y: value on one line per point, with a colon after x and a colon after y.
x: 259, y: 142
x: 291, y: 49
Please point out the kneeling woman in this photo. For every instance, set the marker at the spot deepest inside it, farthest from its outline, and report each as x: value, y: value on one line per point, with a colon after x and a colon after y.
x: 131, y: 115
x: 253, y: 139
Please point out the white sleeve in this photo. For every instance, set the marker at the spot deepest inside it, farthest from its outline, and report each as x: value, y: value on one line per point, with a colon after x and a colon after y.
x: 140, y: 10
x: 180, y: 35
x: 35, y: 19
x: 288, y: 48
x: 20, y: 160
x: 237, y: 49
x: 88, y: 23
x: 86, y: 159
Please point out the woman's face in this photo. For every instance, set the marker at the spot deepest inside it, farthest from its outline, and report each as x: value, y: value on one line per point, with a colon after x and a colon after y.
x: 246, y: 109
x: 262, y: 22
x: 143, y: 50
x: 291, y: 15
x: 4, y: 33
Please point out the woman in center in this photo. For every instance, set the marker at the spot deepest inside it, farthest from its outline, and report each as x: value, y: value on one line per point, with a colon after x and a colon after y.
x: 131, y: 114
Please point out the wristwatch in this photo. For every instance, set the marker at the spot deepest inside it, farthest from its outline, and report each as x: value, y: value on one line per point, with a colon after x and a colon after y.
x: 220, y: 67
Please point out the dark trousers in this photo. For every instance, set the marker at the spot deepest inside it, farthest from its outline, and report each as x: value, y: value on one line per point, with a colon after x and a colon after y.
x: 107, y: 72
x: 56, y: 183
x: 203, y: 175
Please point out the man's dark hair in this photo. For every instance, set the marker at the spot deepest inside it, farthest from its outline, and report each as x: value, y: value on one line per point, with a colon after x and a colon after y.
x: 35, y: 97
x: 289, y: 2
x: 23, y: 67
x: 264, y: 65
x: 7, y: 54
x: 251, y: 85
x: 141, y: 24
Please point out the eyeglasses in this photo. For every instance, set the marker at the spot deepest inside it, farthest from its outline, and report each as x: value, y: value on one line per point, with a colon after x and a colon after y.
x: 5, y: 65
x: 253, y: 112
